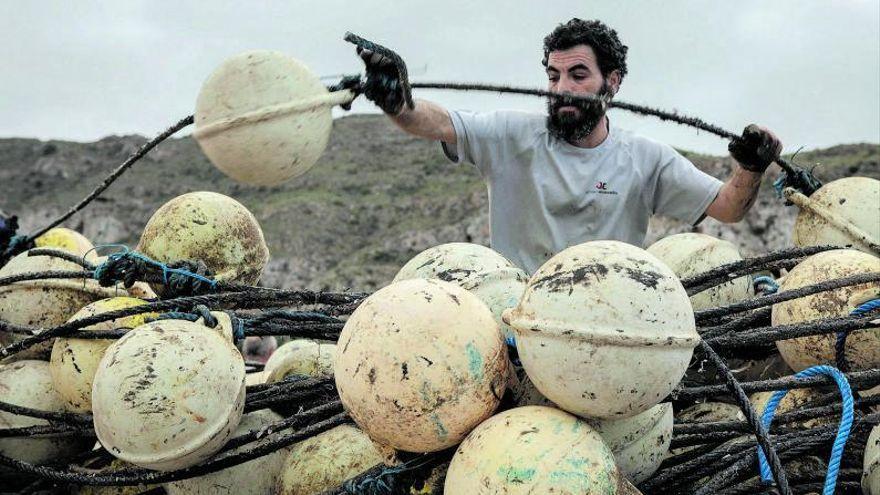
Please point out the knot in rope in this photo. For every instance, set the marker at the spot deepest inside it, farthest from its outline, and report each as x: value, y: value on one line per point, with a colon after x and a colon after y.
x: 179, y: 278
x: 205, y: 314
x: 390, y: 480
x: 12, y: 244
x: 801, y: 180
x: 840, y: 342
x: 237, y: 326
x: 765, y: 285
x: 846, y: 419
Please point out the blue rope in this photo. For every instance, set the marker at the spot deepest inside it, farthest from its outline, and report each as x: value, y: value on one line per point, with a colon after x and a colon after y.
x: 771, y: 286
x: 238, y: 329
x: 843, y: 429
x: 779, y: 184
x: 840, y: 343
x: 127, y: 253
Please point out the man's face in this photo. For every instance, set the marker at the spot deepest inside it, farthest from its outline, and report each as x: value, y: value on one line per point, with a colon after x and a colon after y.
x: 575, y: 71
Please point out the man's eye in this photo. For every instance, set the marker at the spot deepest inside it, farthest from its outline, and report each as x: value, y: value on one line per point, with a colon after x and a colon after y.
x: 553, y: 78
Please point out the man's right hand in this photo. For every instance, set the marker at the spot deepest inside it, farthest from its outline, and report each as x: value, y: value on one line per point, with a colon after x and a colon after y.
x: 383, y: 86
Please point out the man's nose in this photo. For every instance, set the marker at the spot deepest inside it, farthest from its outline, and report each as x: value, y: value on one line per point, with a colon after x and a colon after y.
x: 564, y: 85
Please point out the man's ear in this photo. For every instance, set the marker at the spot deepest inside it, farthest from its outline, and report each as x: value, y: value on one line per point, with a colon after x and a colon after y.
x: 614, y: 81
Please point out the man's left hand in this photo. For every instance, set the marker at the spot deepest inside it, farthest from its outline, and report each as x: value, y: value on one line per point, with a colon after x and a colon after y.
x: 756, y: 149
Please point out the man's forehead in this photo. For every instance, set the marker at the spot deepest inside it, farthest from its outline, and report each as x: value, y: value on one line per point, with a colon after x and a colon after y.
x: 580, y: 54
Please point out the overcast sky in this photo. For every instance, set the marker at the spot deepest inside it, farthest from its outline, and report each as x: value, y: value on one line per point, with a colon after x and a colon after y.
x: 810, y: 70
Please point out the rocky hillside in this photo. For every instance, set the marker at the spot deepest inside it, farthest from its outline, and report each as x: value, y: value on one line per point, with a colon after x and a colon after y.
x: 376, y: 198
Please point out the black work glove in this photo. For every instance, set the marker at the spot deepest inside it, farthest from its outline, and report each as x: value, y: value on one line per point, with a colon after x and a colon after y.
x: 383, y: 86
x: 756, y: 149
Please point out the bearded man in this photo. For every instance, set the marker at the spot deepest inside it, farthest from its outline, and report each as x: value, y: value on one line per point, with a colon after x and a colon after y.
x: 569, y: 176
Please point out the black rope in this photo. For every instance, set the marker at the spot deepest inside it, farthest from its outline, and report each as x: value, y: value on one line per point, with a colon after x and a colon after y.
x: 795, y: 177
x: 47, y: 275
x: 129, y: 477
x: 865, y: 378
x: 131, y: 160
x: 751, y: 416
x: 260, y: 297
x: 724, y: 273
x: 771, y: 299
x: 65, y: 255
x: 767, y: 335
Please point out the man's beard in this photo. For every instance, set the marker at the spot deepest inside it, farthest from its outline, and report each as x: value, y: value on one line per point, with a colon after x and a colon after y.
x: 573, y: 127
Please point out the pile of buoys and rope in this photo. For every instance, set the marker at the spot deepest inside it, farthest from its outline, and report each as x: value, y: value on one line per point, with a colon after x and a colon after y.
x: 680, y: 368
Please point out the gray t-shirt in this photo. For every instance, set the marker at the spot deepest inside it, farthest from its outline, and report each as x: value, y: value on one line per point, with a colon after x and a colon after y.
x: 546, y: 194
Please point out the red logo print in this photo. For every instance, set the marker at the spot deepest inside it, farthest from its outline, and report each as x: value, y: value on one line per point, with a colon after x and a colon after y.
x: 602, y: 186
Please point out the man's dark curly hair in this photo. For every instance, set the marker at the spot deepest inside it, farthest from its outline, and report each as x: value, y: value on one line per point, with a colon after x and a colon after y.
x: 610, y: 52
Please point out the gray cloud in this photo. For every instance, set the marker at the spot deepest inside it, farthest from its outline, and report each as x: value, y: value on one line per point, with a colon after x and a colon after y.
x: 810, y: 70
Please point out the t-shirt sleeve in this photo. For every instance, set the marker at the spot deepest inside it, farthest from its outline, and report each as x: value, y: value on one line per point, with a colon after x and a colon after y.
x: 682, y: 191
x: 480, y: 138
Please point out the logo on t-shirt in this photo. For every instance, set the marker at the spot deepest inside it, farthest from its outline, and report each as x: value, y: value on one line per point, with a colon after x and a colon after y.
x: 602, y: 188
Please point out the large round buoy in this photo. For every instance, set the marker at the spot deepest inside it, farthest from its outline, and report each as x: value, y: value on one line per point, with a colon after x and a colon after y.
x: 452, y: 262
x: 639, y: 443
x: 419, y: 364
x: 210, y: 227
x: 482, y: 271
x: 871, y: 475
x: 68, y: 240
x: 533, y: 449
x: 825, y: 216
x: 168, y: 394
x: 256, y: 477
x: 690, y: 254
x: 74, y: 361
x: 44, y: 303
x: 326, y: 460
x: 862, y: 346
x: 300, y: 357
x: 263, y: 117
x: 604, y: 330
x: 28, y: 383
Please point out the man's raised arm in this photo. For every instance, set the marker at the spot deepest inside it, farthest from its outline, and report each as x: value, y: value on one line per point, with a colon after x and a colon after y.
x: 754, y: 151
x: 382, y: 86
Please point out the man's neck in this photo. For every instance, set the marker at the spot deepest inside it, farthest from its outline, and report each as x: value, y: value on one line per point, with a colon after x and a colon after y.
x: 595, y: 138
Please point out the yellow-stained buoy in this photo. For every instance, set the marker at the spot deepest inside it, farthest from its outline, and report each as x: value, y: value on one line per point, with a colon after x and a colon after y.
x: 300, y: 357
x: 452, y: 262
x: 256, y: 477
x: 604, y: 330
x: 74, y: 361
x: 68, y: 240
x: 419, y: 364
x: 28, y: 383
x: 533, y: 449
x: 326, y: 460
x: 691, y: 253
x: 639, y: 443
x: 840, y: 213
x: 870, y: 475
x: 210, y: 227
x: 263, y: 117
x: 44, y: 303
x: 168, y: 394
x: 482, y: 271
x: 862, y: 346
x: 795, y: 399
